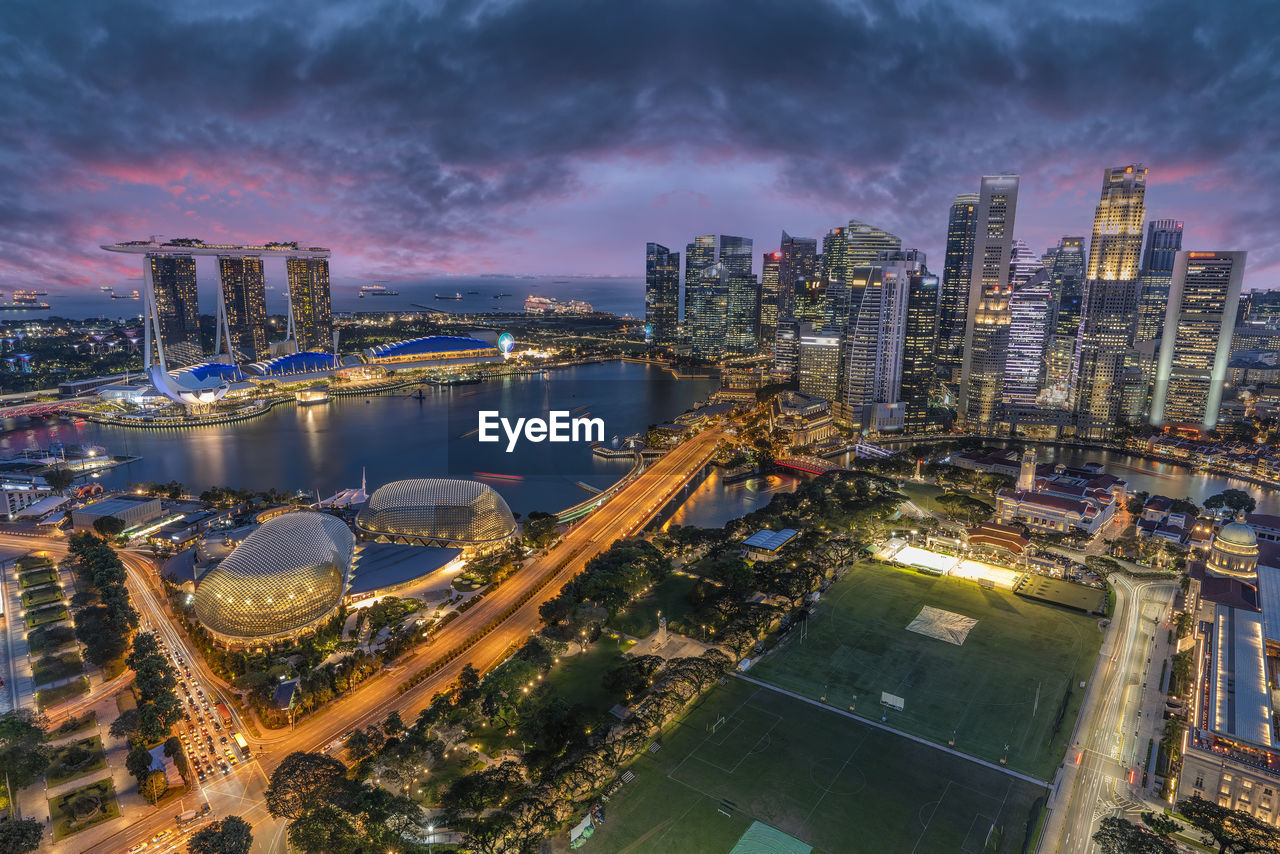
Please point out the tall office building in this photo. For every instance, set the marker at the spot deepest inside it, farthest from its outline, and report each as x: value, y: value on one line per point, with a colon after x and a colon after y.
x: 173, y: 283
x: 798, y: 261
x: 986, y: 334
x: 742, y: 331
x: 661, y: 293
x: 1204, y: 293
x: 818, y: 369
x: 770, y: 296
x: 919, y: 341
x: 871, y: 383
x: 810, y: 301
x: 1164, y: 239
x: 1032, y: 313
x: 855, y: 245
x: 698, y: 256
x: 957, y: 270
x: 1107, y: 313
x: 243, y: 309
x: 1065, y: 263
x: 310, y: 312
x: 707, y: 313
x: 1023, y: 264
x: 786, y: 349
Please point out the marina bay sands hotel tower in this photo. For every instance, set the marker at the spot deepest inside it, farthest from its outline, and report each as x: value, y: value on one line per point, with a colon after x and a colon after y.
x: 172, y: 305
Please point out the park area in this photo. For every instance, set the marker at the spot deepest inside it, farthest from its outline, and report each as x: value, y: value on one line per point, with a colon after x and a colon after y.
x: 829, y: 781
x: 82, y: 808
x: 1011, y: 689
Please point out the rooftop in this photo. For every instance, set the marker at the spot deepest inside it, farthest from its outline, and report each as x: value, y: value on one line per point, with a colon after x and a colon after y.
x: 1240, y: 705
x: 770, y: 541
x: 382, y: 565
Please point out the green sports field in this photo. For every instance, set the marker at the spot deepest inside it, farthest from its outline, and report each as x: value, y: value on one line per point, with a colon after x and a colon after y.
x: 1006, y: 685
x: 834, y: 783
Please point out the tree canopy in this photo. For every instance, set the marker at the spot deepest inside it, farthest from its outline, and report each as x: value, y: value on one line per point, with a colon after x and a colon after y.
x: 301, y: 782
x: 232, y: 835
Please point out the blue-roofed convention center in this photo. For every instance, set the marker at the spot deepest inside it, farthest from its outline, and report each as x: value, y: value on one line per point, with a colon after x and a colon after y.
x: 433, y: 348
x: 294, y: 363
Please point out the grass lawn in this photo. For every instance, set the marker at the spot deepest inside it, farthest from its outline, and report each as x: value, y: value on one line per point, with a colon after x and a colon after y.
x: 1006, y: 685
x: 53, y: 696
x: 73, y: 725
x: 76, y: 759
x: 83, y: 808
x: 48, y: 638
x: 35, y: 577
x: 923, y: 494
x: 640, y: 618
x: 26, y: 563
x: 47, y: 614
x: 43, y: 596
x: 51, y: 668
x: 834, y: 783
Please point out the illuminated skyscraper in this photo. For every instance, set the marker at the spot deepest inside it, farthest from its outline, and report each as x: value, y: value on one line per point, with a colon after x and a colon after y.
x: 1110, y: 300
x: 698, y: 256
x: 310, y: 312
x: 661, y: 293
x: 919, y: 339
x: 819, y: 363
x: 770, y: 296
x: 173, y: 282
x: 1023, y: 264
x: 957, y: 271
x: 1032, y: 313
x: 855, y: 245
x: 244, y: 308
x: 1204, y: 293
x: 1164, y: 239
x: 707, y: 313
x: 786, y: 349
x: 798, y: 262
x: 1066, y: 280
x: 743, y: 326
x: 986, y: 336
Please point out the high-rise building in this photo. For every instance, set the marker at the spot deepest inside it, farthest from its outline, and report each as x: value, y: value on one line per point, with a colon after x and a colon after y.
x: 310, y: 312
x: 1065, y: 263
x: 1023, y: 264
x: 875, y: 340
x: 742, y: 332
x: 698, y: 256
x: 810, y: 301
x: 173, y: 282
x: 1107, y: 313
x: 786, y: 349
x: 798, y: 261
x: 819, y: 363
x: 855, y: 245
x: 243, y: 308
x: 661, y: 293
x: 919, y: 342
x: 1164, y: 239
x: 986, y: 335
x: 1032, y: 313
x: 770, y: 296
x: 957, y: 271
x: 1204, y: 293
x: 707, y: 313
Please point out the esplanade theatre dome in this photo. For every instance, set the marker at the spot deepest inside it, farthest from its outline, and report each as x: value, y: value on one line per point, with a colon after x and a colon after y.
x: 287, y: 576
x: 438, y: 512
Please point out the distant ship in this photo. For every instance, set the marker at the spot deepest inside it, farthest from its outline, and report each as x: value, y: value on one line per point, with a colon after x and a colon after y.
x: 106, y: 289
x: 500, y: 296
x: 130, y: 295
x: 28, y: 297
x: 449, y: 296
x: 377, y: 291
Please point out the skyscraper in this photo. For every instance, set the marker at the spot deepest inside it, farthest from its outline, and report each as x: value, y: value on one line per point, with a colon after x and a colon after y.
x: 819, y: 363
x: 173, y: 282
x: 957, y: 271
x: 1032, y: 314
x: 742, y: 328
x: 698, y: 256
x: 986, y: 335
x: 786, y: 349
x: 1110, y: 300
x: 1066, y: 280
x: 770, y: 296
x: 1204, y: 293
x: 1023, y: 264
x: 244, y: 307
x: 1164, y: 239
x: 661, y: 293
x: 798, y: 262
x: 875, y: 340
x: 707, y: 312
x: 310, y: 312
x: 855, y: 245
x: 919, y: 340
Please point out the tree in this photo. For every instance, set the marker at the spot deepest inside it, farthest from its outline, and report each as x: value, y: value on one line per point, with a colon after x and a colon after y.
x: 539, y: 529
x: 23, y: 754
x: 1117, y: 836
x: 59, y: 478
x: 1231, y: 500
x: 138, y: 762
x: 1232, y: 831
x: 232, y: 835
x: 109, y: 527
x: 154, y: 786
x: 1160, y: 824
x: 468, y: 685
x: 18, y: 836
x: 126, y: 724
x: 301, y: 781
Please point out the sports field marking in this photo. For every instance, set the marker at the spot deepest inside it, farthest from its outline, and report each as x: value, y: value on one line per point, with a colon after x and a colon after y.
x: 917, y: 739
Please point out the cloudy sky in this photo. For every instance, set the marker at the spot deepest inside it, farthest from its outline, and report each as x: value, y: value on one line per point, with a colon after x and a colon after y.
x: 557, y: 136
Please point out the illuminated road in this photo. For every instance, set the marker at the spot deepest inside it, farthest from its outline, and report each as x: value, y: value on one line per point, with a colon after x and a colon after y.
x: 1104, y: 768
x: 541, y: 579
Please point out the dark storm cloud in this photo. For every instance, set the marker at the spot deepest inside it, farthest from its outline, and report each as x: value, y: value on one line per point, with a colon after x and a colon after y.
x: 404, y: 131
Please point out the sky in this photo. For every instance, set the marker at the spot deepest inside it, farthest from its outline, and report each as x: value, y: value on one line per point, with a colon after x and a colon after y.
x: 557, y: 137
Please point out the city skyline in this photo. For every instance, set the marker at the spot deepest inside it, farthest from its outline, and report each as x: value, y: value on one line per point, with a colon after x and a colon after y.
x: 569, y: 174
